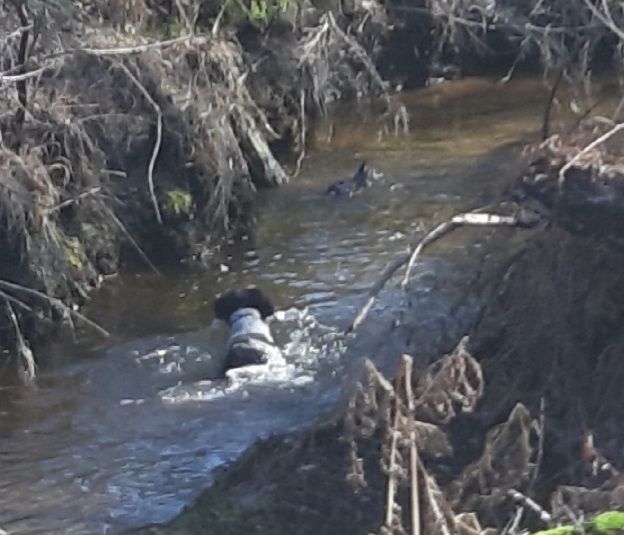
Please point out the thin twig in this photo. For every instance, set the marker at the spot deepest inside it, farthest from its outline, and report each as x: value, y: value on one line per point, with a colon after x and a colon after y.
x: 156, y: 149
x: 540, y: 445
x: 549, y: 104
x: 217, y: 22
x: 18, y: 31
x: 12, y: 299
x: 69, y: 202
x: 544, y: 515
x: 55, y: 302
x: 302, y: 134
x: 385, y: 276
x: 136, y: 49
x: 134, y: 243
x: 23, y: 76
x: 414, y: 491
x: 50, y: 62
x: 599, y: 141
x: 27, y: 369
x: 610, y: 24
x: 392, y: 465
x: 470, y: 219
x: 474, y: 218
x: 437, y: 512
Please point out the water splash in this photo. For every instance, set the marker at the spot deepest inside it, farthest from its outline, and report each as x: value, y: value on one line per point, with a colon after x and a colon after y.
x: 307, y: 346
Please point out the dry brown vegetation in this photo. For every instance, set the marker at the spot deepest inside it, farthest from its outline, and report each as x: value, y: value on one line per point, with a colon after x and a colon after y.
x: 133, y: 131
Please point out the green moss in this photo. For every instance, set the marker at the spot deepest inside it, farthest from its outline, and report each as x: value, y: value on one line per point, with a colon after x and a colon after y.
x: 74, y: 251
x: 609, y: 523
x: 563, y: 530
x: 179, y: 202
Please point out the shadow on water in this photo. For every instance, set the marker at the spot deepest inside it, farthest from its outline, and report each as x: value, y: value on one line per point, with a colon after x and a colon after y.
x: 130, y: 434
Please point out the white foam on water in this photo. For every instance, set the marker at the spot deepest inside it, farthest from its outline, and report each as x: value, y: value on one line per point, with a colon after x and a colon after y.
x: 309, y: 343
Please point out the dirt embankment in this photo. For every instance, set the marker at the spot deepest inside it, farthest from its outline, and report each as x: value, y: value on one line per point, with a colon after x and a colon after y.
x: 518, y: 429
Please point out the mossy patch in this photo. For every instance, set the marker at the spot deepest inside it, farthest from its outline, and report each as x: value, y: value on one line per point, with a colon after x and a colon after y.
x: 179, y: 202
x: 608, y: 523
x: 75, y: 252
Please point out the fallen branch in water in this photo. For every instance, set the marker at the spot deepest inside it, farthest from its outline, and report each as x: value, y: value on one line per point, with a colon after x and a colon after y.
x: 469, y: 219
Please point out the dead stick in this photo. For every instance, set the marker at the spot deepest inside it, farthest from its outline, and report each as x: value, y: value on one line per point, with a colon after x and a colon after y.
x: 12, y: 299
x: 6, y: 76
x: 156, y: 149
x: 135, y: 49
x: 436, y: 510
x: 55, y: 302
x: 435, y: 234
x: 605, y: 137
x: 134, y: 243
x: 544, y: 515
x: 302, y: 134
x: 392, y: 468
x: 408, y: 364
x: 474, y: 218
x: 386, y: 275
x: 549, y: 104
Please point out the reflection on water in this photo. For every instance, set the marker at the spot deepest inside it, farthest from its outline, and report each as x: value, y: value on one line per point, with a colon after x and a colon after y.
x: 130, y: 434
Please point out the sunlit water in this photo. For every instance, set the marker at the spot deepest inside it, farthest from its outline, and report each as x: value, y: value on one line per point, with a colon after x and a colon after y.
x: 127, y: 434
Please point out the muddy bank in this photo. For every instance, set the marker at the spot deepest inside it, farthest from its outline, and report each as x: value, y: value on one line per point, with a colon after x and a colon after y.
x: 529, y: 407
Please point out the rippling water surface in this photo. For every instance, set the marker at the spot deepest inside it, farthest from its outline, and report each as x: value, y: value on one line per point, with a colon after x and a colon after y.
x: 126, y: 434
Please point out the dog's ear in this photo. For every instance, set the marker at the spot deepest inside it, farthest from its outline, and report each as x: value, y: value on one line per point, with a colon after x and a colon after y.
x: 234, y: 300
x: 227, y: 304
x: 258, y: 300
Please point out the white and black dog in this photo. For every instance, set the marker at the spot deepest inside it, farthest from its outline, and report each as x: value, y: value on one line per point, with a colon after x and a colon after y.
x: 251, y: 341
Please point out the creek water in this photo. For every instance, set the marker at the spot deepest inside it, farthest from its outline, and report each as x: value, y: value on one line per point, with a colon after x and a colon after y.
x: 126, y: 433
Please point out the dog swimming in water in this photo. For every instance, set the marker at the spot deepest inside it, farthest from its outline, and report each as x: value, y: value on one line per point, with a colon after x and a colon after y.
x: 348, y: 187
x: 251, y: 341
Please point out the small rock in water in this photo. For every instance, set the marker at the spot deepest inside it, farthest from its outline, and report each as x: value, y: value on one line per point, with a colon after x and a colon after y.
x: 224, y: 268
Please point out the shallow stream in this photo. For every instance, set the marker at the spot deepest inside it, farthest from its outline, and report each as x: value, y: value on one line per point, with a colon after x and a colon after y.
x: 127, y: 433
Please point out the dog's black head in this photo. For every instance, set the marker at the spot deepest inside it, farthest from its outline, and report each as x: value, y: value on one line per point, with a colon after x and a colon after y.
x: 234, y: 300
x: 365, y: 176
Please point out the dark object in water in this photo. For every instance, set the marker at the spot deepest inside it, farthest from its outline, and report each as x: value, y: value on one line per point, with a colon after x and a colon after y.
x: 347, y: 187
x: 250, y: 340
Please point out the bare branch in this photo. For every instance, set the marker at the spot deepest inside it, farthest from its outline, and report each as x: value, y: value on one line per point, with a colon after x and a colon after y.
x: 136, y: 49
x: 599, y: 141
x: 56, y: 303
x: 475, y: 218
